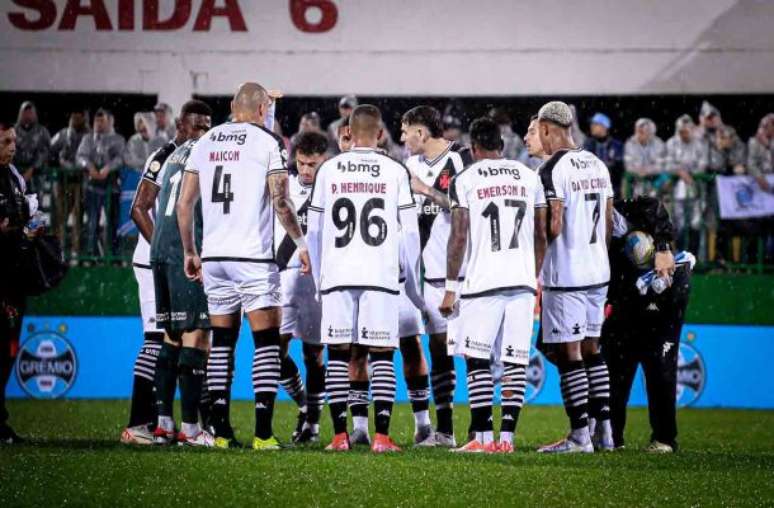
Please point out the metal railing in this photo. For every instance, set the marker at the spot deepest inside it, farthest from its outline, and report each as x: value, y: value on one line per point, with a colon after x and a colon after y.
x: 720, y: 245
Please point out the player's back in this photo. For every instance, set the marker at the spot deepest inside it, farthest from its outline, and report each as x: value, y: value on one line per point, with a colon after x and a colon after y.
x: 501, y: 196
x: 578, y: 257
x: 233, y: 161
x: 166, y: 246
x: 360, y: 193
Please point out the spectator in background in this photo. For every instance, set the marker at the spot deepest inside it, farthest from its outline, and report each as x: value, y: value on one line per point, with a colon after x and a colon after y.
x: 100, y: 154
x: 577, y: 134
x: 608, y: 149
x: 165, y: 122
x: 686, y: 156
x: 644, y: 154
x: 32, y: 144
x: 142, y: 142
x: 346, y: 105
x: 760, y: 151
x: 453, y: 126
x: 512, y: 144
x: 386, y: 143
x: 68, y: 195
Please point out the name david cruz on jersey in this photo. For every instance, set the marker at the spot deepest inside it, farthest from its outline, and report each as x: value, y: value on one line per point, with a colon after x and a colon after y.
x: 588, y: 184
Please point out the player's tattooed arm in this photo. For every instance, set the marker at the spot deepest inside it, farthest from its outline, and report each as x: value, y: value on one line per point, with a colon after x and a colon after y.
x: 541, y: 240
x: 455, y: 253
x: 436, y: 196
x: 609, y: 221
x: 143, y: 203
x: 283, y: 205
x: 557, y: 216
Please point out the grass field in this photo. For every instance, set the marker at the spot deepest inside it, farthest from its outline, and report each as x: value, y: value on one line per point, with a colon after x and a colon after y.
x: 74, y: 458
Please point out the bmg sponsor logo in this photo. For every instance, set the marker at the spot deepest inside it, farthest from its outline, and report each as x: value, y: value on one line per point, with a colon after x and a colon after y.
x: 238, y: 137
x: 47, y: 365
x: 489, y: 171
x: 351, y: 167
x: 691, y: 375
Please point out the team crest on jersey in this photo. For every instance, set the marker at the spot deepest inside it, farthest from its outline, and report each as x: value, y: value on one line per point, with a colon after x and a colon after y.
x: 444, y: 179
x: 154, y: 167
x: 691, y: 375
x: 47, y: 366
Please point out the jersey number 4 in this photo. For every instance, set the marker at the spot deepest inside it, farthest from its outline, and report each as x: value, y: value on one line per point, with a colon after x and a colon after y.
x: 219, y: 180
x: 492, y: 212
x: 347, y: 221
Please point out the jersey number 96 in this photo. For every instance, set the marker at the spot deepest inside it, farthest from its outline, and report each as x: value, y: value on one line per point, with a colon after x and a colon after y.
x: 345, y: 219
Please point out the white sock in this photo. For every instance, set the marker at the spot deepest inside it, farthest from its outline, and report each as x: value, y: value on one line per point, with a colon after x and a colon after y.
x: 313, y: 428
x: 166, y: 423
x: 580, y: 436
x: 607, y: 429
x: 422, y: 419
x: 361, y: 423
x: 191, y: 429
x: 487, y: 437
x: 506, y: 437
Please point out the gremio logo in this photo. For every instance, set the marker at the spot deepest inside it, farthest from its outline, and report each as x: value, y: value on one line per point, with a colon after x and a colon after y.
x: 47, y: 365
x: 691, y: 375
x: 351, y: 167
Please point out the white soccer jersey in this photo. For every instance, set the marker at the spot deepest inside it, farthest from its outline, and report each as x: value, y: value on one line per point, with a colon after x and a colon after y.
x: 501, y: 196
x: 434, y: 222
x: 577, y: 259
x: 360, y: 193
x: 285, y: 251
x: 233, y: 161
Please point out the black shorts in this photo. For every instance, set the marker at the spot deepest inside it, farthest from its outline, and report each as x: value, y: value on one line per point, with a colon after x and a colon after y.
x: 181, y: 304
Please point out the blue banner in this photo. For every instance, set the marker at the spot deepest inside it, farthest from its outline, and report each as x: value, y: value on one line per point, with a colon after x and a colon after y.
x: 92, y: 358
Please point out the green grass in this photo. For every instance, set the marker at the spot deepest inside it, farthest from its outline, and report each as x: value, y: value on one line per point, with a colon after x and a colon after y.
x: 74, y: 458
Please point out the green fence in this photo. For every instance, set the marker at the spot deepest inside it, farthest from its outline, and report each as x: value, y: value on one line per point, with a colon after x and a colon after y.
x: 112, y: 291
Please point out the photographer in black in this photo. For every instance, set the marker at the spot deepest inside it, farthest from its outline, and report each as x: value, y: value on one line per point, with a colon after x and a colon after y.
x: 14, y: 214
x: 645, y: 328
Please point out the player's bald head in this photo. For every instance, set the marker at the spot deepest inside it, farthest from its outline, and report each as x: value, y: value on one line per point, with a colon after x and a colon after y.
x: 248, y: 98
x: 365, y: 122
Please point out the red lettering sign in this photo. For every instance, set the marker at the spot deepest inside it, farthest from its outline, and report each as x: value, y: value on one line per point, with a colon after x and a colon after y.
x: 46, y: 10
x: 178, y: 19
x: 94, y: 8
x: 230, y: 10
x: 299, y: 9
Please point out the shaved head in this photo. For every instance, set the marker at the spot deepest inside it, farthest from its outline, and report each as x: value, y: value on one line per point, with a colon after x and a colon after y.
x: 365, y: 124
x: 250, y: 102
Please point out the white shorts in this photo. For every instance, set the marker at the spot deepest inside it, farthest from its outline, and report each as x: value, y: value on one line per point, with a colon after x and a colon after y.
x: 301, y: 312
x: 436, y: 323
x: 410, y: 318
x: 358, y: 316
x: 497, y: 327
x: 234, y: 286
x: 570, y: 316
x: 147, y: 296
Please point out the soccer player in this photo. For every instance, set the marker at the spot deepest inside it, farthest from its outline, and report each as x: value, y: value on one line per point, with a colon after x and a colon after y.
x: 575, y: 276
x: 180, y: 303
x: 361, y: 209
x: 533, y: 155
x: 240, y: 171
x: 498, y: 223
x: 300, y: 308
x: 142, y: 416
x: 433, y: 163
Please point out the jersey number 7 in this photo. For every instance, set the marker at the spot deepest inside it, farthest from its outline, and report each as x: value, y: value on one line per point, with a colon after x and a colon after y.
x: 597, y: 199
x: 225, y: 197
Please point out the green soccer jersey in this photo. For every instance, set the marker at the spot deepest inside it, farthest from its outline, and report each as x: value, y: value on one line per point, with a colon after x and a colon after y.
x: 166, y: 246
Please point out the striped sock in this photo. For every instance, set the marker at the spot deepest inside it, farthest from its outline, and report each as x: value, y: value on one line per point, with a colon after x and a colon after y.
x: 315, y: 386
x: 444, y: 381
x: 357, y: 401
x: 480, y: 394
x: 143, y: 409
x: 513, y: 385
x: 575, y: 393
x: 290, y: 379
x: 337, y: 386
x: 419, y: 395
x: 599, y: 387
x: 266, y: 374
x: 383, y: 389
x: 220, y: 374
